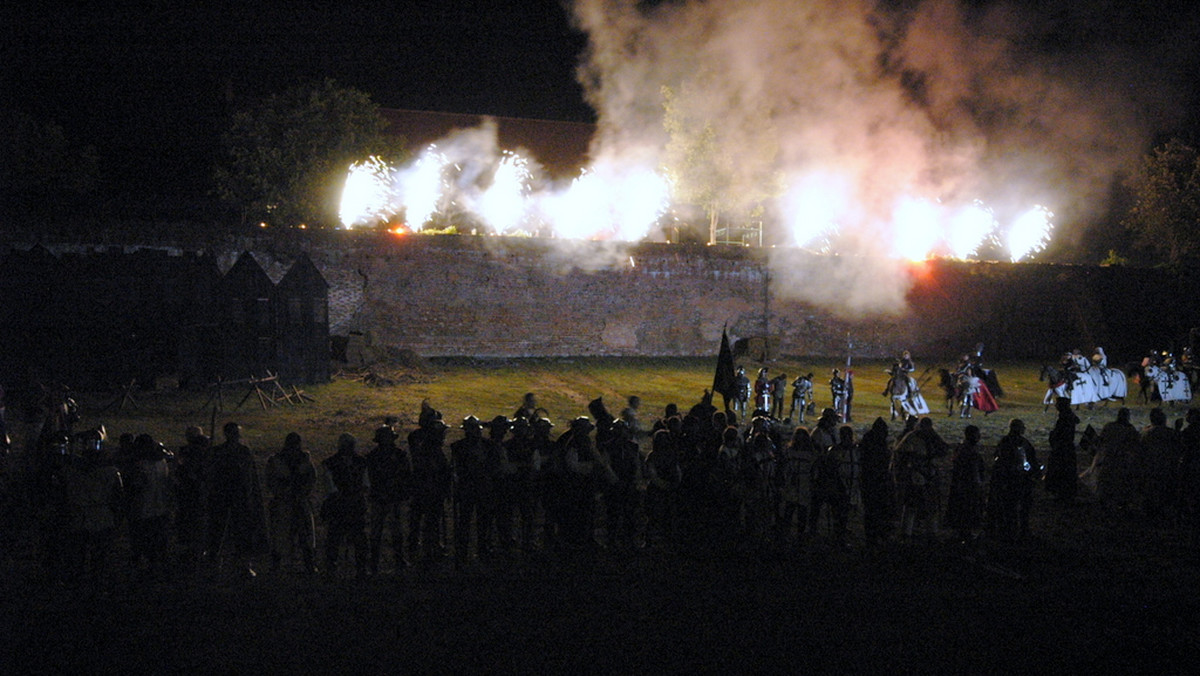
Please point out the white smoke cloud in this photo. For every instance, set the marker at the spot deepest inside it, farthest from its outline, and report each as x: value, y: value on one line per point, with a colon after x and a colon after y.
x: 889, y: 101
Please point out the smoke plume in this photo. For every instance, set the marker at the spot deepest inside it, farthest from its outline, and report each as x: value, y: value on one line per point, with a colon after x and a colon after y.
x: 872, y: 103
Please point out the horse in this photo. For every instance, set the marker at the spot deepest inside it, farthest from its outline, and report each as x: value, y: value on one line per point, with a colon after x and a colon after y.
x: 1170, y: 385
x: 904, y: 395
x: 1087, y: 387
x: 966, y: 391
x: 949, y: 384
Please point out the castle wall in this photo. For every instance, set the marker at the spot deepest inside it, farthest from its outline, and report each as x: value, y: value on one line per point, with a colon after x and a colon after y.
x: 521, y: 297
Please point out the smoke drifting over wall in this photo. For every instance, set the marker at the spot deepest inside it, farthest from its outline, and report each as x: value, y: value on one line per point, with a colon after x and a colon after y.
x: 869, y: 104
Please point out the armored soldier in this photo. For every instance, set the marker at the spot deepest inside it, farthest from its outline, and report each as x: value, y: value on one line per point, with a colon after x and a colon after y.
x: 741, y: 392
x: 802, y: 391
x: 838, y: 391
x: 762, y: 392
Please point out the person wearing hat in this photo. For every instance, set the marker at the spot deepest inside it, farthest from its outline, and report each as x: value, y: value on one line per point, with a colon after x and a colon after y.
x: 580, y: 461
x: 290, y: 478
x: 502, y: 478
x: 547, y: 480
x: 473, y: 489
x: 431, y: 479
x: 389, y: 471
x: 522, y: 454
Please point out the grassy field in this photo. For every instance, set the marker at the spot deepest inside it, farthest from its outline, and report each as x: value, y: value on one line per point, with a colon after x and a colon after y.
x: 1090, y: 590
x: 486, y: 388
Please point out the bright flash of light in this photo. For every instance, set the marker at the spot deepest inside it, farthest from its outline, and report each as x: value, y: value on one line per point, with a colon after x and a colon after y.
x: 1030, y: 233
x: 503, y: 204
x: 421, y: 186
x: 812, y: 207
x: 968, y: 229
x: 608, y: 203
x: 367, y: 194
x: 916, y: 228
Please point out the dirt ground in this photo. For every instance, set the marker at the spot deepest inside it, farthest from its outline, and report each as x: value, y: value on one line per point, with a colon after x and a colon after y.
x: 1088, y: 591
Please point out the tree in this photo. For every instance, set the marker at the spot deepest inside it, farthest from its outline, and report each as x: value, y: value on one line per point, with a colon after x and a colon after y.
x: 286, y: 156
x: 1166, y: 202
x: 711, y: 170
x: 42, y: 173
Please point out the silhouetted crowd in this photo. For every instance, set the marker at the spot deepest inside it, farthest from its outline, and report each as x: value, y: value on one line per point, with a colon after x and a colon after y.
x: 700, y: 482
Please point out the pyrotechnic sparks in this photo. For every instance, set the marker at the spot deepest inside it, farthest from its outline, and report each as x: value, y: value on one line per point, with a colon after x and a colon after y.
x: 1030, y: 233
x: 367, y: 196
x: 916, y: 229
x: 503, y: 204
x: 608, y: 202
x: 421, y: 186
x: 969, y: 228
x: 813, y: 206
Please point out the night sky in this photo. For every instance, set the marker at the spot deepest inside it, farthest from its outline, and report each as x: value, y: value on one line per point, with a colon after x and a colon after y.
x: 151, y: 84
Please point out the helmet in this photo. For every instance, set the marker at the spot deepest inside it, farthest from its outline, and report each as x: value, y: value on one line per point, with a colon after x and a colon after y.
x: 582, y: 424
x: 500, y: 422
x: 472, y: 423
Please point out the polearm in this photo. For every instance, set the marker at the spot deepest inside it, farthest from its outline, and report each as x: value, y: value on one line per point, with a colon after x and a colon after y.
x: 849, y: 380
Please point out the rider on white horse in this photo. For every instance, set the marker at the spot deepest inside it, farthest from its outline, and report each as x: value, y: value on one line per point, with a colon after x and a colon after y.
x: 1101, y: 361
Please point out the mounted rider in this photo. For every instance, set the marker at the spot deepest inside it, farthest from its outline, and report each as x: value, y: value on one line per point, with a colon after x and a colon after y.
x: 1100, y: 360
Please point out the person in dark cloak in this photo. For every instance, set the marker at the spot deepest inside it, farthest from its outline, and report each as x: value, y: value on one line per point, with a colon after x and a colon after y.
x: 1062, y: 471
x: 345, y: 508
x: 237, y: 522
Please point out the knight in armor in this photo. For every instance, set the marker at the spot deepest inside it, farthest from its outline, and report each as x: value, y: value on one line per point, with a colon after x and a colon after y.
x: 741, y: 390
x: 1100, y: 360
x: 802, y: 391
x: 762, y: 392
x: 905, y: 363
x: 1014, y: 472
x: 837, y: 389
x: 1081, y: 362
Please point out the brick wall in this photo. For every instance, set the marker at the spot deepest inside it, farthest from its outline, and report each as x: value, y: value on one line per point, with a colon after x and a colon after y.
x: 516, y: 297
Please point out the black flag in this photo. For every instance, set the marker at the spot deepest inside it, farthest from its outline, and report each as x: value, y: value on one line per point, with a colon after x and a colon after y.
x: 725, y: 380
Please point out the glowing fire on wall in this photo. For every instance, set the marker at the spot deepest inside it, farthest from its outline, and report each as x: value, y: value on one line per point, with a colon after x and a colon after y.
x: 502, y: 195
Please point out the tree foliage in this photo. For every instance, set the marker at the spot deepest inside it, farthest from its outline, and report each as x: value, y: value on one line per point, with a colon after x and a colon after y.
x: 286, y: 156
x: 701, y: 166
x: 1166, y: 202
x: 41, y: 172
